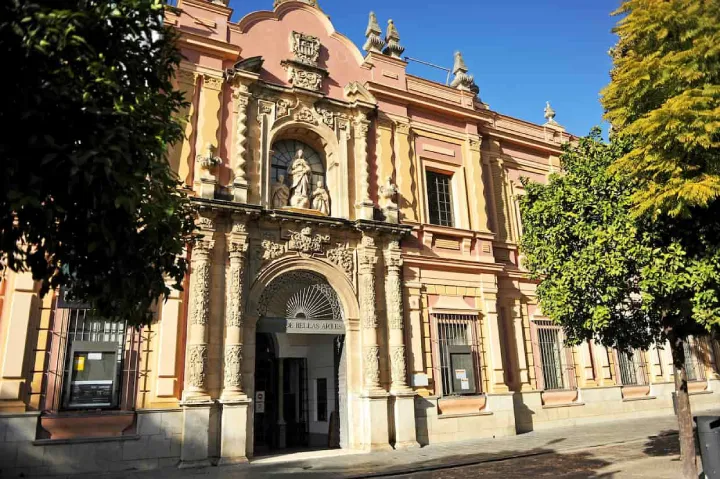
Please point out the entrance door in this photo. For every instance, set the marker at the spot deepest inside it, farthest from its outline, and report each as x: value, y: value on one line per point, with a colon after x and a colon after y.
x: 265, y: 395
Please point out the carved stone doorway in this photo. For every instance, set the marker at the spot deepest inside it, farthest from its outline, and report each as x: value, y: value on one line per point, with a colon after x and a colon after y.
x: 300, y: 366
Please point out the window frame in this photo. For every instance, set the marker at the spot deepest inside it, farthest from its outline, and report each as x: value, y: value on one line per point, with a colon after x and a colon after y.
x: 443, y: 383
x: 567, y: 367
x: 59, y: 370
x: 694, y: 359
x: 450, y: 203
x: 637, y: 363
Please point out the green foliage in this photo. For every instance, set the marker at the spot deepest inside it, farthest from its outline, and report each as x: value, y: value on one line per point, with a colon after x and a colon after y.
x: 88, y: 199
x: 665, y: 93
x: 607, y: 274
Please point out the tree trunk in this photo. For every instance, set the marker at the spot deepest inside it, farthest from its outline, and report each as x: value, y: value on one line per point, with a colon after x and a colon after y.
x: 684, y: 415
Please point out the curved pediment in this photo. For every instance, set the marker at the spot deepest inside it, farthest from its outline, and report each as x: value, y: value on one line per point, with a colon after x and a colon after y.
x: 336, y: 63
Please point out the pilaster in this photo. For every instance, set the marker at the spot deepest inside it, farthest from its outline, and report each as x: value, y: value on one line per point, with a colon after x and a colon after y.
x: 364, y: 204
x: 181, y: 155
x: 241, y: 82
x: 479, y: 213
x: 492, y: 323
x: 22, y: 300
x: 384, y: 150
x: 518, y: 311
x: 406, y: 171
x: 265, y: 114
x: 208, y: 134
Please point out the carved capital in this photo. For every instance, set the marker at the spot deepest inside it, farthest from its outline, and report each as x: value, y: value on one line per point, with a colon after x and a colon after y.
x: 398, y: 368
x: 343, y: 257
x: 402, y: 128
x: 187, y: 77
x: 212, y: 83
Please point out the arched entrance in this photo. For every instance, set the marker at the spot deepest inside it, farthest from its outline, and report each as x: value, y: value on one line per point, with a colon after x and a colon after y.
x: 299, y: 377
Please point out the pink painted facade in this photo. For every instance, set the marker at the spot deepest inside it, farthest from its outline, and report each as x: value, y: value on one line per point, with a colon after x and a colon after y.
x: 357, y: 282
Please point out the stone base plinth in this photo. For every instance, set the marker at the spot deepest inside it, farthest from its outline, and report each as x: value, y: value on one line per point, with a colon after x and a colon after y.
x: 376, y: 435
x: 195, y: 435
x: 233, y: 441
x: 404, y: 417
x: 240, y: 193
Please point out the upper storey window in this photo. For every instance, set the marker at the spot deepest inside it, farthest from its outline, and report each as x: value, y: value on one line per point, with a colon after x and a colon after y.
x: 439, y: 198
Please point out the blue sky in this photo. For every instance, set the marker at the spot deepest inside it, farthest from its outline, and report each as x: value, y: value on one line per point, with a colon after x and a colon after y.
x: 522, y: 52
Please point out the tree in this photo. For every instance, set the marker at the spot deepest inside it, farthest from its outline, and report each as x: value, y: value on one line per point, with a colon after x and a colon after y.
x: 87, y: 199
x: 665, y: 93
x: 611, y: 276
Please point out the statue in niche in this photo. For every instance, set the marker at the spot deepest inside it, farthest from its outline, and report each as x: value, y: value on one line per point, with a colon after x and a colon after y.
x: 300, y: 171
x: 321, y: 198
x: 280, y: 193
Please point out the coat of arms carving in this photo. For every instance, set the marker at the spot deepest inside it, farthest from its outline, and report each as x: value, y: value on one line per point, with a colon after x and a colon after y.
x: 305, y: 243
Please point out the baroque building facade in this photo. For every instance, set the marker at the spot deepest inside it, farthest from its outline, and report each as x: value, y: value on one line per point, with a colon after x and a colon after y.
x: 357, y: 283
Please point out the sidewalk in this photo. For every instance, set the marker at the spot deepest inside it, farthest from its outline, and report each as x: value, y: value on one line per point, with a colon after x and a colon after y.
x: 344, y: 464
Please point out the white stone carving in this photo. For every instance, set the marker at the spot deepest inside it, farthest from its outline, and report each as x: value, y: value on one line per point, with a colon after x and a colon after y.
x: 301, y: 78
x: 306, y: 48
x: 372, y: 367
x: 209, y: 160
x: 239, y: 227
x: 272, y: 250
x: 393, y: 292
x: 205, y: 223
x: 321, y: 198
x: 463, y: 80
x: 301, y: 178
x: 368, y: 300
x: 280, y: 193
x: 197, y: 365
x: 306, y: 115
x: 398, y: 367
x: 200, y: 282
x: 327, y: 116
x: 305, y: 243
x: 283, y: 108
x: 550, y: 114
x: 233, y: 366
x: 343, y: 257
x: 235, y: 287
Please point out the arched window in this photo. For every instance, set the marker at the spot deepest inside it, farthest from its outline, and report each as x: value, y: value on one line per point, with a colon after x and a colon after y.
x: 283, y: 154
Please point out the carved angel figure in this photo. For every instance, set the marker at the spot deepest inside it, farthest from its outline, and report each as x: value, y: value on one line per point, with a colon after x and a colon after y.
x: 280, y: 193
x: 300, y: 189
x: 321, y: 198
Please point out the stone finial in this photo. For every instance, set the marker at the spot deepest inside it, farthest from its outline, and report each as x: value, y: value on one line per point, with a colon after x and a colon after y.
x: 373, y: 34
x: 550, y: 114
x: 463, y: 80
x: 393, y: 48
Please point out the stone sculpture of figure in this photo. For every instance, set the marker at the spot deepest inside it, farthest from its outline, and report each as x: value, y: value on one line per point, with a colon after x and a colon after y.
x: 300, y: 190
x: 280, y: 193
x: 321, y: 198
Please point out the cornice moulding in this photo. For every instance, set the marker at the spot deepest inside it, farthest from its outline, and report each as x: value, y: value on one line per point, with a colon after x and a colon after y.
x: 224, y: 50
x: 208, y: 6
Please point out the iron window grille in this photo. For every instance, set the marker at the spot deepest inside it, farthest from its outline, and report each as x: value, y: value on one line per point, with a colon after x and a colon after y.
x: 694, y: 364
x: 93, y: 362
x: 631, y: 368
x: 555, y: 369
x: 439, y: 198
x: 457, y: 350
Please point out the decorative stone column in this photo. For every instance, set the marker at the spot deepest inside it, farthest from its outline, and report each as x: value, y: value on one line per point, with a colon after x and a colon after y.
x: 235, y: 402
x: 492, y: 322
x: 477, y: 187
x: 404, y: 397
x: 376, y: 432
x: 364, y: 206
x: 196, y: 400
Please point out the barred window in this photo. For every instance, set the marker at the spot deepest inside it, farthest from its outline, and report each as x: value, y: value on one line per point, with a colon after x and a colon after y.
x: 694, y: 364
x: 458, y: 351
x: 631, y: 368
x: 93, y: 361
x: 439, y: 198
x: 554, y: 364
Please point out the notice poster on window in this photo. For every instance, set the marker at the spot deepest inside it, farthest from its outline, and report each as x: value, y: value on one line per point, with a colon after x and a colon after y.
x: 461, y: 374
x: 464, y: 384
